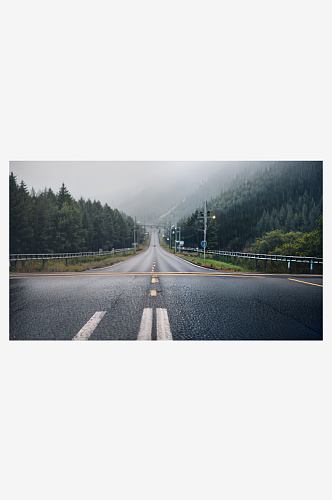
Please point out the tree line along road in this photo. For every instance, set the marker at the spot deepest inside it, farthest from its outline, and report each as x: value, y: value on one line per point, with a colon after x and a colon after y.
x: 158, y: 296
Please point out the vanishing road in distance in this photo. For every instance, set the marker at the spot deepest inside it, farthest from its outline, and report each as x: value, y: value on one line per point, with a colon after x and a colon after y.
x: 158, y: 296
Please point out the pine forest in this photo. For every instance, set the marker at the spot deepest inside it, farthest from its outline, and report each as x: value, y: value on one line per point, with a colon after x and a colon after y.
x: 285, y: 198
x: 52, y: 223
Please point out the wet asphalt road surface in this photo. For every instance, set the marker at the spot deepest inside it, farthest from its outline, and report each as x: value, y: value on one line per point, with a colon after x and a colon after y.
x: 202, y: 304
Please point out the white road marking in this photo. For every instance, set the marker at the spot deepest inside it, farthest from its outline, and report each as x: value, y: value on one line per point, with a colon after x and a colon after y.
x: 163, y: 328
x: 88, y: 328
x: 146, y: 325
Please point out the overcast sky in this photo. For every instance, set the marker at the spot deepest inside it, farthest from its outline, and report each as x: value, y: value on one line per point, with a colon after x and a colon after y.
x: 110, y: 182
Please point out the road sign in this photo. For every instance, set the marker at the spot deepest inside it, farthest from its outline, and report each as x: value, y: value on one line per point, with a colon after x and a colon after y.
x: 204, y: 244
x: 182, y: 243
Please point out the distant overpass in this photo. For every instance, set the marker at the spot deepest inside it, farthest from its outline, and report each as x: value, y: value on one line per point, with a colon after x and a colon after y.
x: 154, y: 223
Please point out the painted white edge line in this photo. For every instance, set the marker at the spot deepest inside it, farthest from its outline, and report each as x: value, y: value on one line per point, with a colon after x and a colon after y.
x: 145, y: 330
x: 188, y: 262
x: 212, y: 271
x: 163, y: 328
x: 117, y: 264
x: 90, y: 326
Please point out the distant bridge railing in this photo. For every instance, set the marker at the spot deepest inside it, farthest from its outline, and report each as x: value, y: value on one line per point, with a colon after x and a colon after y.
x: 14, y: 257
x: 261, y: 256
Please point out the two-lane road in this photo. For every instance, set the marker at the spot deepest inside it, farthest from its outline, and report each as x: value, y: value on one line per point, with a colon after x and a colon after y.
x: 158, y: 296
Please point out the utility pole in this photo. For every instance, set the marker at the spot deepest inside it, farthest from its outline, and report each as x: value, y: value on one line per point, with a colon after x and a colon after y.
x: 205, y: 215
x: 179, y: 240
x: 135, y: 235
x: 205, y: 226
x: 170, y: 235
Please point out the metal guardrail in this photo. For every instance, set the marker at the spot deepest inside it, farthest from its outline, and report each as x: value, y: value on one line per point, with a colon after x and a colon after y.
x: 260, y: 256
x: 48, y: 256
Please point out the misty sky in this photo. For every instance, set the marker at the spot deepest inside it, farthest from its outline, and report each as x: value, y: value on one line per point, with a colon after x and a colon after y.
x: 110, y: 182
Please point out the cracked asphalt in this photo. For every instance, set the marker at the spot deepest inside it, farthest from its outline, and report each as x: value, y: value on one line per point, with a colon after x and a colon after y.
x: 201, y: 304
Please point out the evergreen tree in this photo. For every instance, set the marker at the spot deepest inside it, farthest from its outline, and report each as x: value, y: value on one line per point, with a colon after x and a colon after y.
x: 26, y: 229
x: 285, y: 196
x: 63, y: 196
x: 108, y: 230
x: 16, y: 210
x: 44, y: 222
x: 289, y: 223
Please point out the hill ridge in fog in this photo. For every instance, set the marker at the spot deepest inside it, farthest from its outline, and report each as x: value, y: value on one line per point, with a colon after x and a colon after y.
x: 174, y: 199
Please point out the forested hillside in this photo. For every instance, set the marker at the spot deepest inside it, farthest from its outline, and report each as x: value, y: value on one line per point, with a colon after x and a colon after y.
x: 46, y: 222
x: 228, y: 177
x: 285, y: 195
x: 177, y: 196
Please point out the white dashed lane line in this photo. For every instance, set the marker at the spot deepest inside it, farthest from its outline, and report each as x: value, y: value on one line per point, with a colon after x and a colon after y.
x: 90, y: 326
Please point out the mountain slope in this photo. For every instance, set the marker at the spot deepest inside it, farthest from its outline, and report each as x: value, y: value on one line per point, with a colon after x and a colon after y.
x: 173, y: 197
x: 283, y: 195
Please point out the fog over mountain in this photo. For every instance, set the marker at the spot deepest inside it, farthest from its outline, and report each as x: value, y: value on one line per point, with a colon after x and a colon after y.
x: 111, y: 182
x: 178, y: 196
x: 145, y: 189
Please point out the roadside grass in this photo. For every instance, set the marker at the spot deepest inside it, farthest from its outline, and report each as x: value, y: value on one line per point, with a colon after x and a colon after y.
x: 77, y: 264
x: 209, y: 262
x: 248, y: 265
x: 222, y: 263
x: 214, y: 264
